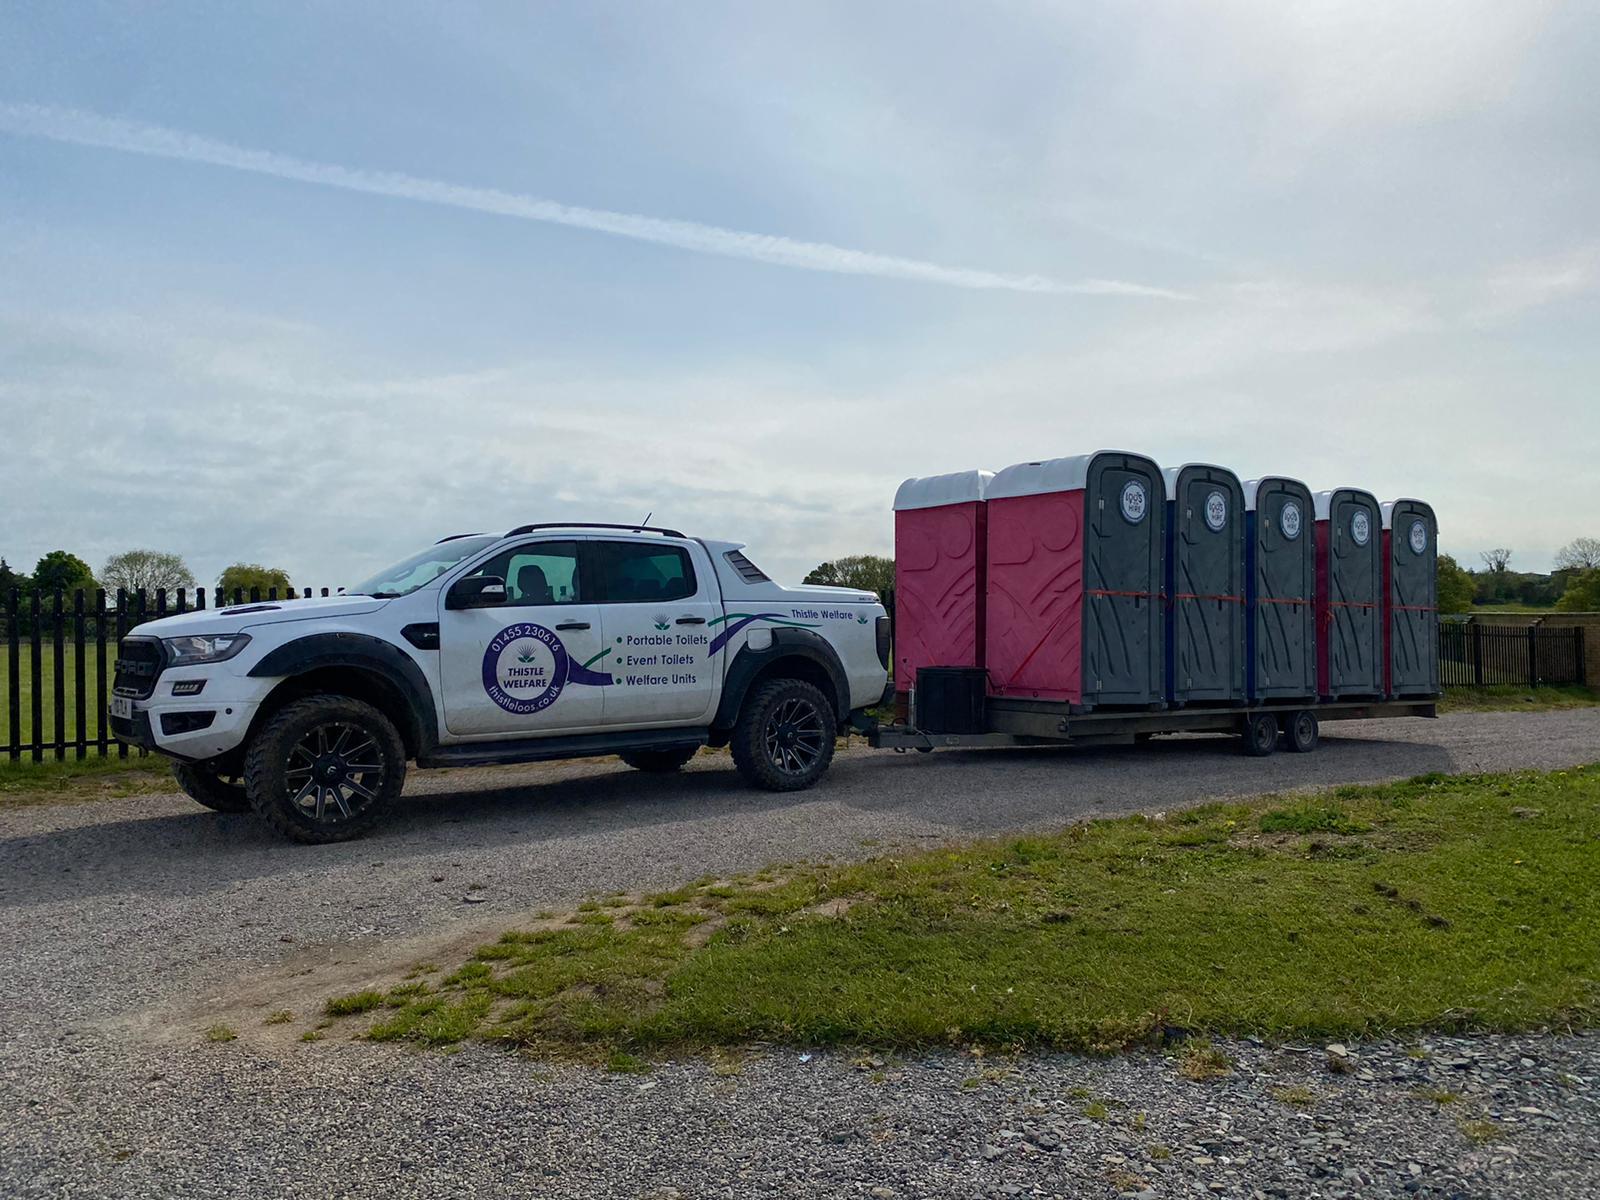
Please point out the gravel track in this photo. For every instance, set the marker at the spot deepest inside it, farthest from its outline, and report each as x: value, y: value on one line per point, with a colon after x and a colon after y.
x: 122, y: 919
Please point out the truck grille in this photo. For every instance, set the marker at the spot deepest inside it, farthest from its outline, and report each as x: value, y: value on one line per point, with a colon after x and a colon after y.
x: 139, y: 664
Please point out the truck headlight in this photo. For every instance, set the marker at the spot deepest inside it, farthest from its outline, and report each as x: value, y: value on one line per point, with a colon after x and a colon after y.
x: 204, y: 648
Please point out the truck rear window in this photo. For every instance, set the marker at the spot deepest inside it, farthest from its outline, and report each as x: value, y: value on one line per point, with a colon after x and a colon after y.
x: 747, y: 570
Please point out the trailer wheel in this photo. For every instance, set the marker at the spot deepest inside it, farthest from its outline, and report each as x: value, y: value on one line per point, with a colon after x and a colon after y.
x: 1260, y: 734
x: 1301, y: 731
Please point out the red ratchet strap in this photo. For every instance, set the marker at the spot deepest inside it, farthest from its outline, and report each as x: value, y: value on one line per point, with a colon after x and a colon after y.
x: 1134, y: 595
x: 1198, y: 596
x: 1414, y: 608
x: 1275, y: 600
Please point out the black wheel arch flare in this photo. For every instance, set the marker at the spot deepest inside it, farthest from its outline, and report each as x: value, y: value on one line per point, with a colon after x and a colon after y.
x: 361, y: 652
x: 749, y: 663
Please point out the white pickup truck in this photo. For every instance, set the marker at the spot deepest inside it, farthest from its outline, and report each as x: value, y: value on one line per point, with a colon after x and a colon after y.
x: 550, y: 641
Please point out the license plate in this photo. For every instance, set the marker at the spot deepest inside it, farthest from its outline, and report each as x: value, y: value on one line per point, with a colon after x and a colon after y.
x: 122, y: 708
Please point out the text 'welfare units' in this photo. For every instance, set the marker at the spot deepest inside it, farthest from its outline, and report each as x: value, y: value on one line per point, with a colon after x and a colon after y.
x: 1102, y: 582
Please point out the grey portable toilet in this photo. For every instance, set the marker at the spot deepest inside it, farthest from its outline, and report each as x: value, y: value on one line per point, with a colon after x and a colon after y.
x: 1280, y: 591
x: 1411, y: 597
x: 1349, y: 594
x: 1205, y: 659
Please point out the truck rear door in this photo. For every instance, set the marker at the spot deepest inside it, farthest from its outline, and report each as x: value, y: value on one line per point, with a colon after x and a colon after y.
x: 657, y: 600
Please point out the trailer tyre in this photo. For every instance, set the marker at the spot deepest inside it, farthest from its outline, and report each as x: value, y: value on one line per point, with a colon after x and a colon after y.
x: 784, y: 738
x: 220, y: 793
x: 659, y: 762
x: 1260, y: 734
x: 324, y: 768
x: 1301, y: 732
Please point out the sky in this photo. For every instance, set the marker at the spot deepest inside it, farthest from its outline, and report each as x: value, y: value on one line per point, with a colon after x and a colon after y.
x: 315, y: 285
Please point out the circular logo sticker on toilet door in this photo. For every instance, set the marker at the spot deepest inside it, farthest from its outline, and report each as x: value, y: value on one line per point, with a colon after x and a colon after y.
x: 1289, y: 519
x: 1419, y: 537
x: 525, y: 667
x: 1134, y: 501
x: 1360, y: 526
x: 1216, y: 512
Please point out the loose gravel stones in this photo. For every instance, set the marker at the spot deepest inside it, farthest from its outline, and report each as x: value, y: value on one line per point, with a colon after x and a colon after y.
x: 118, y: 915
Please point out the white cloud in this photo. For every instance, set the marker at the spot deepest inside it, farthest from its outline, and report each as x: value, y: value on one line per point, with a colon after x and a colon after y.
x: 92, y: 129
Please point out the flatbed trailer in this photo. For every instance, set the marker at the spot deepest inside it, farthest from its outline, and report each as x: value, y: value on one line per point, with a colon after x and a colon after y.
x: 1010, y: 722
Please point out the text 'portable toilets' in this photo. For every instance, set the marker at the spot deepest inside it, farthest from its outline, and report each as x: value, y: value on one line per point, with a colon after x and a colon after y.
x: 1074, y: 610
x: 1349, y: 594
x: 1205, y: 585
x: 1280, y: 590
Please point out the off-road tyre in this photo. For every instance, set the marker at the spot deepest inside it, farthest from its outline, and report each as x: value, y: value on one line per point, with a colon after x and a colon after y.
x: 310, y: 791
x: 219, y: 793
x: 659, y: 762
x: 1300, y: 731
x: 1259, y: 734
x: 784, y: 738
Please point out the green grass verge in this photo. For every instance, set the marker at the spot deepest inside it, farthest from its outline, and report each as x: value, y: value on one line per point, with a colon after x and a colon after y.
x: 1517, y: 699
x: 1440, y: 903
x: 94, y: 778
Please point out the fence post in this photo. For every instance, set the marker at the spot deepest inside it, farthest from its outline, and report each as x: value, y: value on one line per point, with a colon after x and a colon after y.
x: 1533, y: 656
x: 103, y: 738
x: 122, y: 631
x: 13, y: 678
x: 79, y: 716
x: 59, y: 675
x: 36, y: 678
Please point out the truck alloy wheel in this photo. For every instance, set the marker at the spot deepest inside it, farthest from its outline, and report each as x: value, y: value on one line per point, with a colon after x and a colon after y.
x: 785, y: 736
x: 323, y: 768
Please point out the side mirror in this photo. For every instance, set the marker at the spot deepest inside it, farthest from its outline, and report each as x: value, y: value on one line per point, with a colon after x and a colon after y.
x: 476, y: 591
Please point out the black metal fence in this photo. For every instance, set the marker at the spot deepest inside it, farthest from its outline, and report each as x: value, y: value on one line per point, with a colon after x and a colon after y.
x: 1473, y: 655
x: 58, y: 654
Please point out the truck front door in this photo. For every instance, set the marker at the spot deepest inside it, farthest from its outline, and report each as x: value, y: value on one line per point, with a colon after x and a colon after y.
x: 656, y: 612
x: 527, y: 665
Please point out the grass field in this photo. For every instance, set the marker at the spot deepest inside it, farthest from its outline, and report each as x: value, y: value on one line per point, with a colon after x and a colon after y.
x: 1447, y: 903
x: 47, y: 690
x: 1517, y: 699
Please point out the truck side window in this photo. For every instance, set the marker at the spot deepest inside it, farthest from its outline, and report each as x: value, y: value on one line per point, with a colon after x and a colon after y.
x: 641, y: 573
x: 537, y: 573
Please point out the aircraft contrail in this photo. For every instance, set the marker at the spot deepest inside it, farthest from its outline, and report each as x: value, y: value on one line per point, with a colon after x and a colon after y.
x: 133, y: 137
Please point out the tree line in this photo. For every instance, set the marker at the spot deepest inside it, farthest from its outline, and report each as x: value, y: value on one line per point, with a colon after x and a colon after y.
x: 61, y: 571
x: 1574, y: 585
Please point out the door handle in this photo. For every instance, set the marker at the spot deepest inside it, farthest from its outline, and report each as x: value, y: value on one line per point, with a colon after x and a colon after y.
x: 691, y: 620
x: 565, y: 625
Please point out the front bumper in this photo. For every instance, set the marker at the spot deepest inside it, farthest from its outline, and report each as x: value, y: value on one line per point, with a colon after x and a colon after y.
x: 135, y: 731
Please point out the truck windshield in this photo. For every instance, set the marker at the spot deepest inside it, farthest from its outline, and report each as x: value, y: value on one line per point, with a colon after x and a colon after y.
x: 420, y: 569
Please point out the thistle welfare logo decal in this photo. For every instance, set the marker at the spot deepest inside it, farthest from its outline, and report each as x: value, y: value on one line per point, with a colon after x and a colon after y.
x: 526, y: 668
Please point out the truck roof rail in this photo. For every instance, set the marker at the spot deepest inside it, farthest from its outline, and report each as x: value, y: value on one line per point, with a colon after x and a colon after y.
x: 521, y: 529
x: 454, y: 537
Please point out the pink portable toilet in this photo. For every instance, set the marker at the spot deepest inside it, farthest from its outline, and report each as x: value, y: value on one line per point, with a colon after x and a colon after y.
x: 1349, y: 594
x: 1411, y: 599
x: 939, y: 558
x: 1075, y: 609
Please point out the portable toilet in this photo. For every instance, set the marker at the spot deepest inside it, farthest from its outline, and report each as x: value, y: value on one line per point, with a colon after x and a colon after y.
x: 1074, y: 581
x: 939, y: 557
x: 1280, y: 590
x: 1349, y: 594
x: 1411, y: 595
x: 1205, y: 585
